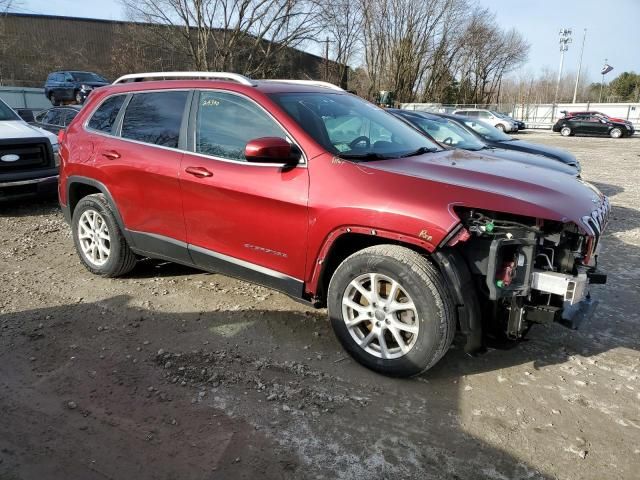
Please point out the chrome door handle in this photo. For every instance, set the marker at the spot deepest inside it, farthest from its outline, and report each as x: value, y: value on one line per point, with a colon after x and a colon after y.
x: 199, y: 172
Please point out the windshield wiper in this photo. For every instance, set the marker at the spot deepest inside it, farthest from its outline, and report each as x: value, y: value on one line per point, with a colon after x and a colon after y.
x: 419, y: 151
x: 362, y: 156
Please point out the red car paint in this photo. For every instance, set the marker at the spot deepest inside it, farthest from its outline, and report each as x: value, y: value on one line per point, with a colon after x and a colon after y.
x: 613, y: 119
x: 287, y: 219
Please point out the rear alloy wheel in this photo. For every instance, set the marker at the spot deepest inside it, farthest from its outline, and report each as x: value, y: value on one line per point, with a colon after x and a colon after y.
x: 79, y: 98
x: 501, y: 127
x: 390, y: 309
x: 615, y: 132
x: 565, y: 131
x: 99, y: 241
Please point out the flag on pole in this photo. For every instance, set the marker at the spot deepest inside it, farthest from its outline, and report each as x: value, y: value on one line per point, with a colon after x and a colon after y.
x: 606, y: 69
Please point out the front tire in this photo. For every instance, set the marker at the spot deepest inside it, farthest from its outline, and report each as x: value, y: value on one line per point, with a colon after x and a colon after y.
x: 99, y: 242
x: 390, y: 309
x: 501, y: 127
x: 615, y: 132
x: 565, y: 131
x: 53, y: 99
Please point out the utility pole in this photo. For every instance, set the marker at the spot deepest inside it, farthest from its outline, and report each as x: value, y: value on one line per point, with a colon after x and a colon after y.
x: 326, y: 59
x: 565, y: 40
x: 575, y: 90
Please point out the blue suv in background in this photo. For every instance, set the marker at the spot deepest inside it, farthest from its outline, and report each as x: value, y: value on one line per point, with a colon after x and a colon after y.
x: 70, y: 85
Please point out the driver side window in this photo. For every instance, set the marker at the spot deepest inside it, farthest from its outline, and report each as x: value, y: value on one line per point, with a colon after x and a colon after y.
x: 226, y: 123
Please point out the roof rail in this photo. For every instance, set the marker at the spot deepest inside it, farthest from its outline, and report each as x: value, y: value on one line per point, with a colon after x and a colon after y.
x: 315, y: 83
x: 163, y: 75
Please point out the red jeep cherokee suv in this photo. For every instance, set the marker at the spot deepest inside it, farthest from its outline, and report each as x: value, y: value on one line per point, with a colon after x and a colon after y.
x: 315, y: 192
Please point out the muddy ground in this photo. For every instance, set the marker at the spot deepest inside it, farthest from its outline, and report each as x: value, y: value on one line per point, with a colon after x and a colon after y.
x: 172, y: 373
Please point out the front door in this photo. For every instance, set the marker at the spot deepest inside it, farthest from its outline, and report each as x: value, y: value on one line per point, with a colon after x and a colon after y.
x: 245, y: 219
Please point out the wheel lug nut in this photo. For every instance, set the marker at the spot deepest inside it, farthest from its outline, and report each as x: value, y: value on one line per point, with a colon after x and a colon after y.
x: 387, y: 321
x: 377, y: 324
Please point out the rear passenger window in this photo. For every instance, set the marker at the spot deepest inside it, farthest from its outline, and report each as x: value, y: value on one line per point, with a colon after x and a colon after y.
x: 227, y: 122
x: 155, y: 118
x: 104, y: 118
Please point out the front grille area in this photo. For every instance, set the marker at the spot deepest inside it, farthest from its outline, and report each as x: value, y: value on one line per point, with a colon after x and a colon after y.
x: 32, y: 155
x: 597, y: 221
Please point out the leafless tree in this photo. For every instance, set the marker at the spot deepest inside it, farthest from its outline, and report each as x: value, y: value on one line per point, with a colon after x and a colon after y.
x: 341, y: 22
x: 247, y: 36
x: 5, y: 5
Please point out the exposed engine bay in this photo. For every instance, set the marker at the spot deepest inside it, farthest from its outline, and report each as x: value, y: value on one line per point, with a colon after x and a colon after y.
x: 528, y: 270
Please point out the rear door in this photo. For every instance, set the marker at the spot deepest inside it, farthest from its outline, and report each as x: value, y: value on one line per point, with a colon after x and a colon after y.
x: 141, y: 163
x: 245, y: 219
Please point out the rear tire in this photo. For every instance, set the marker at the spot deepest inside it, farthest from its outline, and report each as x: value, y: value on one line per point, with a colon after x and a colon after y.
x: 53, y: 99
x: 615, y: 132
x: 78, y: 98
x: 401, y: 326
x: 565, y: 131
x: 501, y: 127
x: 99, y: 242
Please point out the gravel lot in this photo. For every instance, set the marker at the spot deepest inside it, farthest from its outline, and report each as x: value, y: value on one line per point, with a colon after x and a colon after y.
x: 173, y: 373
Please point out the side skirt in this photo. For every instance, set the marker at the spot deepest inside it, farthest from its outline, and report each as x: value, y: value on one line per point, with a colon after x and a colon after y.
x: 165, y: 248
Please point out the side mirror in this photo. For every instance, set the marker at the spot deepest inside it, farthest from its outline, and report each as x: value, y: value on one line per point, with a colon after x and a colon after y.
x: 271, y: 150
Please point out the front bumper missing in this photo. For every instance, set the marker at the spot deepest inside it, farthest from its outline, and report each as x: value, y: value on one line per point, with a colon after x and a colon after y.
x: 575, y: 315
x: 578, y: 306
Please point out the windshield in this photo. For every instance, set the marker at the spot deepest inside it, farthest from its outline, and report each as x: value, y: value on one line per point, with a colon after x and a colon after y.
x: 447, y: 132
x: 87, y: 77
x: 6, y: 113
x: 487, y: 131
x: 350, y: 127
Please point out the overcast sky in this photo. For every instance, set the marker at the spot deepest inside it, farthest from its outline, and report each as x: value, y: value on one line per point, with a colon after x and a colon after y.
x: 613, y: 28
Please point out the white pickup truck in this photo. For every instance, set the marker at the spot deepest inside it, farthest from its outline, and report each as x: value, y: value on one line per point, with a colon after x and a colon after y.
x: 28, y: 157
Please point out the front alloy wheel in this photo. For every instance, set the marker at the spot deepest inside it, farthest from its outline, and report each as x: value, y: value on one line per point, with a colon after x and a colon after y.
x: 380, y: 316
x: 565, y: 131
x: 615, y: 133
x: 390, y: 309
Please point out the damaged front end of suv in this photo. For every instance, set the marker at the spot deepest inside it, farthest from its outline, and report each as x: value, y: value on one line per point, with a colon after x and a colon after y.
x: 525, y: 270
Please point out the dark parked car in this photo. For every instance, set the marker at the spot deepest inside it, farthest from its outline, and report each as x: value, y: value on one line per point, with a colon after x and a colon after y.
x: 28, y: 114
x: 495, y: 138
x: 592, y: 124
x: 70, y: 86
x: 598, y: 114
x: 449, y: 133
x: 56, y: 118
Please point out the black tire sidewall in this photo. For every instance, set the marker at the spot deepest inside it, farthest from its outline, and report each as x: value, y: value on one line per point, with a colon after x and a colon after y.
x: 430, y: 332
x: 99, y: 205
x: 568, y: 134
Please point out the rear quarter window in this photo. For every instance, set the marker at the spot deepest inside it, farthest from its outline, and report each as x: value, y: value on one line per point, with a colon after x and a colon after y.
x: 105, y: 116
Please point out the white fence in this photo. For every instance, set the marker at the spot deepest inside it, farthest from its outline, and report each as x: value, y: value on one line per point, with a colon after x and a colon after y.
x: 540, y: 115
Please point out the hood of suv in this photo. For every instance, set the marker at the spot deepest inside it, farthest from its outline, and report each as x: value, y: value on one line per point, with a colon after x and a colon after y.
x: 93, y: 84
x: 489, y: 182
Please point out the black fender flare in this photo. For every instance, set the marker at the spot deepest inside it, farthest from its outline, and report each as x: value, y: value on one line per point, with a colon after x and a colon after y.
x: 78, y: 179
x: 467, y: 305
